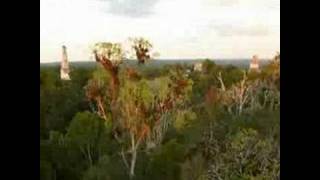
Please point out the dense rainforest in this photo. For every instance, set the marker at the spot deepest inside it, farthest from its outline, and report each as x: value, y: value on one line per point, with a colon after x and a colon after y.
x: 161, y: 123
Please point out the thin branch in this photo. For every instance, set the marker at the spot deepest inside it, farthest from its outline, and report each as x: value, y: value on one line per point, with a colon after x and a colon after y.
x: 223, y: 88
x: 124, y: 159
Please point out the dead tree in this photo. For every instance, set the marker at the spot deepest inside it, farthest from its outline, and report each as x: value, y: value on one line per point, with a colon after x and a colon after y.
x: 224, y: 95
x: 239, y: 94
x: 236, y: 96
x: 223, y: 88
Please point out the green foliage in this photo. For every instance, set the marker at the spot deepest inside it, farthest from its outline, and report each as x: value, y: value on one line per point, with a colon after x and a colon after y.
x: 108, y: 168
x: 232, y: 75
x: 251, y: 155
x: 101, y: 76
x: 137, y: 92
x: 246, y: 156
x: 87, y: 132
x: 202, y: 140
x: 85, y: 128
x: 160, y: 86
x: 165, y: 163
x: 59, y: 100
x: 184, y: 119
x: 263, y: 121
x: 46, y: 171
x: 194, y: 168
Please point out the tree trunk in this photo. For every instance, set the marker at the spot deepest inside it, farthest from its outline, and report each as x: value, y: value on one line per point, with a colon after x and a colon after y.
x: 124, y: 159
x: 100, y: 106
x: 240, y: 104
x: 89, y: 155
x: 133, y: 163
x: 240, y: 108
x: 134, y: 148
x: 114, y: 84
x: 223, y: 88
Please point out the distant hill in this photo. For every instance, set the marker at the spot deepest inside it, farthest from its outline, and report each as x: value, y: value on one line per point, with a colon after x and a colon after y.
x: 90, y: 64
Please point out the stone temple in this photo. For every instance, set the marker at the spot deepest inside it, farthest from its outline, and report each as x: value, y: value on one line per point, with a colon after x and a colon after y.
x: 254, y: 64
x: 197, y: 66
x: 64, y: 68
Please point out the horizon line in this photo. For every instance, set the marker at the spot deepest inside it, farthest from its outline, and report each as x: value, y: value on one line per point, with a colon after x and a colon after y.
x: 169, y: 59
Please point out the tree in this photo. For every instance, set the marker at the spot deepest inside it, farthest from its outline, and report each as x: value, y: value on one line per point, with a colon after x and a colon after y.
x: 142, y: 48
x: 54, y: 151
x: 46, y: 171
x: 58, y: 100
x: 107, y: 168
x: 110, y: 56
x: 166, y: 162
x: 139, y: 111
x: 86, y: 131
x: 237, y: 95
x: 144, y: 111
x: 194, y: 168
x: 94, y: 93
x: 273, y: 70
x: 246, y: 157
x: 164, y: 123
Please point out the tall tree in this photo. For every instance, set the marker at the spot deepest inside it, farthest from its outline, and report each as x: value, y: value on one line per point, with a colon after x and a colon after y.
x: 110, y: 56
x: 146, y: 107
x: 142, y: 48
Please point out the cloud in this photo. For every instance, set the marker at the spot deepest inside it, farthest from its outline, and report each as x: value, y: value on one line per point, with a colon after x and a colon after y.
x: 131, y: 8
x: 227, y: 2
x: 177, y: 28
x: 241, y: 30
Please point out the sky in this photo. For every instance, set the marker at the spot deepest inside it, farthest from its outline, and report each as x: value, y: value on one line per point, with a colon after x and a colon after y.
x: 177, y: 28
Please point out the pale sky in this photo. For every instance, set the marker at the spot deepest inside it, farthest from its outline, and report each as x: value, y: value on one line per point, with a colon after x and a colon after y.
x: 177, y: 28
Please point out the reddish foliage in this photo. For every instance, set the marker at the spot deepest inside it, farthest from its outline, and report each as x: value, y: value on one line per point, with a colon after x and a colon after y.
x: 142, y: 54
x: 145, y: 130
x: 211, y: 95
x: 132, y: 74
x: 180, y: 86
x: 113, y: 71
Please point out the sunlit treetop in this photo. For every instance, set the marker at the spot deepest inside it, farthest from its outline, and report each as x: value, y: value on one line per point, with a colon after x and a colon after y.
x: 141, y: 43
x: 109, y: 51
x: 142, y: 49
